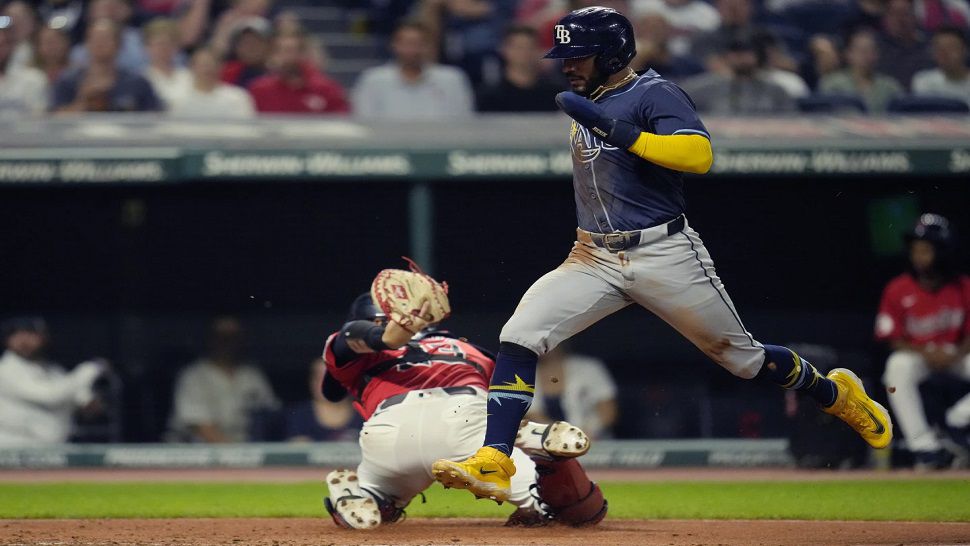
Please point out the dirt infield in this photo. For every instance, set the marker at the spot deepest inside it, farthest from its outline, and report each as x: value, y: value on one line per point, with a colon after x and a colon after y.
x: 292, y: 532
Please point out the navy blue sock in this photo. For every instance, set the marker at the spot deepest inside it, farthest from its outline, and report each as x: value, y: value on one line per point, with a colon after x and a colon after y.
x: 785, y: 368
x: 509, y: 395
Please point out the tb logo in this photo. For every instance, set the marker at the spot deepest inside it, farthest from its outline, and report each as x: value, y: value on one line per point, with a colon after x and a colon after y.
x: 562, y: 35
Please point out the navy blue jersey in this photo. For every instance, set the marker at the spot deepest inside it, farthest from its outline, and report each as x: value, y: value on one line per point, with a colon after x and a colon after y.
x: 617, y: 190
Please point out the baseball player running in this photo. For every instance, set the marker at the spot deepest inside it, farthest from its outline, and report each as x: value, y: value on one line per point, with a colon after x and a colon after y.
x: 924, y: 316
x: 423, y: 398
x: 632, y: 138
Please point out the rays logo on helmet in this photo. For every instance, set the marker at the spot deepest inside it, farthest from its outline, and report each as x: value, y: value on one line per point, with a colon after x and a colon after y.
x: 562, y: 34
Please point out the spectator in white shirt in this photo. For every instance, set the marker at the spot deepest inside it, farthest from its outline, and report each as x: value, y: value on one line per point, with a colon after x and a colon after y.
x: 23, y: 90
x: 207, y: 96
x: 167, y: 77
x: 217, y: 395
x: 411, y: 87
x: 575, y: 388
x: 950, y: 78
x: 38, y: 398
x: 24, y: 20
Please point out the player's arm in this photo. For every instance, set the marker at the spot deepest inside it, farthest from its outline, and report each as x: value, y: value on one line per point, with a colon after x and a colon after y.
x: 690, y: 153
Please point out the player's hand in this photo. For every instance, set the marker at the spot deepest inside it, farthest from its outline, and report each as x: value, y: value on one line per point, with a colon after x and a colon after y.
x: 400, y: 329
x: 592, y: 116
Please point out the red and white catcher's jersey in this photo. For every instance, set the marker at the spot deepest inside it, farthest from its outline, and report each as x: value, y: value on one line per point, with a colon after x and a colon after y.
x: 911, y: 314
x: 436, y: 361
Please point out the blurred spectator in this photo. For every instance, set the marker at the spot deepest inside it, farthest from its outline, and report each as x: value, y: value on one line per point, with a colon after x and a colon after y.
x: 934, y: 15
x: 166, y: 76
x: 950, y: 78
x: 150, y: 9
x: 51, y: 52
x: 860, y: 77
x: 288, y: 22
x: 131, y: 52
x: 523, y: 87
x: 411, y: 86
x: 577, y: 389
x: 249, y: 47
x: 924, y: 316
x: 736, y: 19
x: 687, y: 18
x: 653, y: 34
x: 823, y: 59
x: 217, y: 395
x: 318, y: 419
x: 230, y: 18
x: 24, y: 20
x: 37, y: 397
x: 902, y: 47
x: 745, y: 90
x: 779, y: 67
x: 66, y: 15
x: 296, y: 86
x: 469, y: 32
x: 103, y: 85
x: 23, y: 90
x: 206, y: 96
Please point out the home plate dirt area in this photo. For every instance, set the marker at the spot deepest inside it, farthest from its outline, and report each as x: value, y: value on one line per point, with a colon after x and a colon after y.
x: 287, y: 532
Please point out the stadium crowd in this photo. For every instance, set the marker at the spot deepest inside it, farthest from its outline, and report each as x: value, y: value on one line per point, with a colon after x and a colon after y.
x: 448, y: 58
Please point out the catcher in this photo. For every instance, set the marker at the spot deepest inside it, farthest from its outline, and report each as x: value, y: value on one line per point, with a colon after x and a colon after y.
x: 422, y: 393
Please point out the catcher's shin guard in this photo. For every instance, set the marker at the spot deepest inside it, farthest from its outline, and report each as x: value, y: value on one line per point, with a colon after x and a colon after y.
x: 348, y: 505
x: 567, y: 494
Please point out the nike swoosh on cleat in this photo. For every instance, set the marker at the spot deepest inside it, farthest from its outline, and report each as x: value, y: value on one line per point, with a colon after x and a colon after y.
x: 482, y: 471
x: 879, y: 428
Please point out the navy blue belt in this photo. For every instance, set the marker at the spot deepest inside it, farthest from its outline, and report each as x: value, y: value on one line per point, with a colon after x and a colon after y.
x: 398, y: 398
x: 623, y: 240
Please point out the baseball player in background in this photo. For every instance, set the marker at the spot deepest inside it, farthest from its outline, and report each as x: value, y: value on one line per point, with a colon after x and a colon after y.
x: 924, y: 316
x: 632, y: 138
x: 422, y: 393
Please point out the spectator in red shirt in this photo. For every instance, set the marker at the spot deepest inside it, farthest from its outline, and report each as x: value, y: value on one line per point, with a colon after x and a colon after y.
x: 924, y: 316
x: 295, y: 85
x: 249, y: 51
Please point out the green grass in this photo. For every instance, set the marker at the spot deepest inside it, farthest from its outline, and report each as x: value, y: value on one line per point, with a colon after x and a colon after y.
x: 921, y: 500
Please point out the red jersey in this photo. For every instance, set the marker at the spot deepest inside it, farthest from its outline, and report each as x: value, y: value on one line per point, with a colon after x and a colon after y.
x: 434, y: 361
x: 317, y: 94
x: 910, y: 313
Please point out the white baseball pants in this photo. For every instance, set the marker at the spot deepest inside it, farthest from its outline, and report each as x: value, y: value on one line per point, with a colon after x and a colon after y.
x: 400, y: 444
x: 673, y: 277
x: 905, y: 370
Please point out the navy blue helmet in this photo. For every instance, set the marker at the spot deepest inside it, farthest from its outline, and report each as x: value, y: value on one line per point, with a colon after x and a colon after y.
x: 603, y: 32
x: 364, y: 308
x: 933, y: 228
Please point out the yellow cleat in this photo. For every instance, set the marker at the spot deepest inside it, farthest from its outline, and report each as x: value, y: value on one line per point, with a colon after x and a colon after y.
x: 863, y: 414
x: 487, y: 474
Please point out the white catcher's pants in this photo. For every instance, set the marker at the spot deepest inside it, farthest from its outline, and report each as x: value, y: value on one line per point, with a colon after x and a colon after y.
x: 905, y: 370
x: 400, y: 444
x: 673, y: 277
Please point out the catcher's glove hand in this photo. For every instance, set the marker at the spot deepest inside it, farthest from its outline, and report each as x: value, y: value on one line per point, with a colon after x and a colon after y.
x: 411, y: 299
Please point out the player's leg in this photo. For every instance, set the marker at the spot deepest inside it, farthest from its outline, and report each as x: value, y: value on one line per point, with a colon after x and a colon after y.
x: 583, y: 290
x: 675, y: 278
x: 564, y: 492
x: 905, y: 370
x: 958, y: 416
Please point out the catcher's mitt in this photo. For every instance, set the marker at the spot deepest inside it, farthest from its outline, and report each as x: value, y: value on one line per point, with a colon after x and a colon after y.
x: 402, y: 294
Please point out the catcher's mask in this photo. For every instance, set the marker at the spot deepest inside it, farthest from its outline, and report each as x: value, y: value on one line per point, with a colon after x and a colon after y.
x: 364, y: 308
